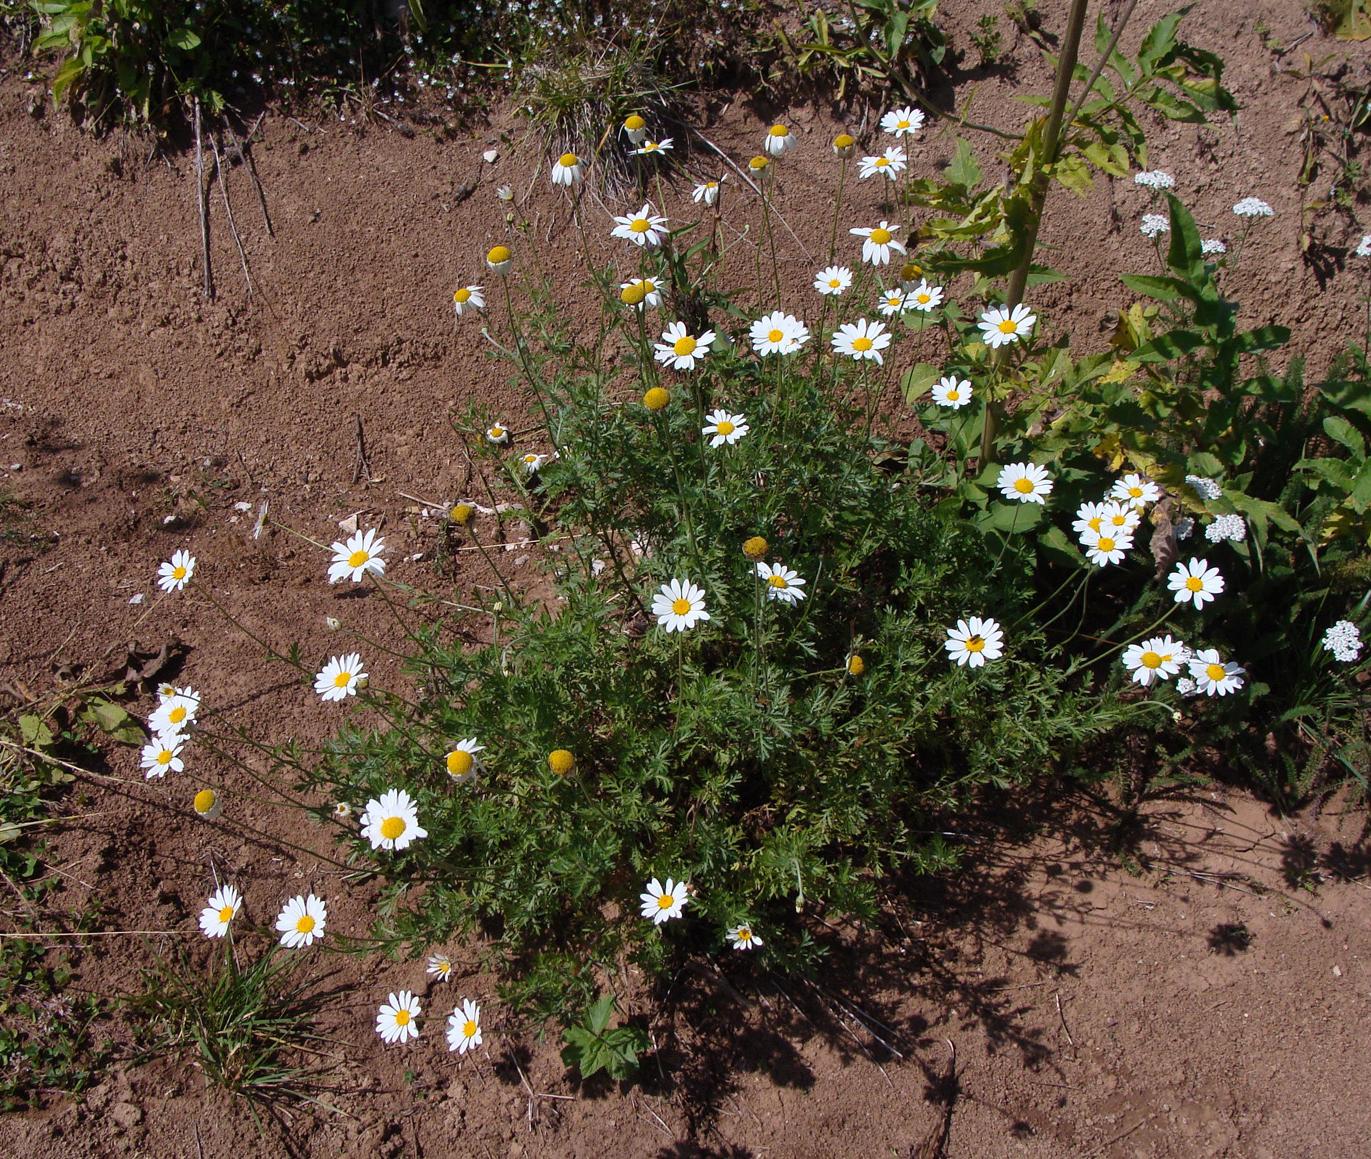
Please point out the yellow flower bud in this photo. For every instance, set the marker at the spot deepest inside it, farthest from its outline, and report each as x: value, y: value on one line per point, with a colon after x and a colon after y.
x: 656, y: 398
x: 755, y: 548
x: 843, y: 144
x: 461, y: 513
x: 561, y: 762
x: 498, y: 258
x: 855, y: 665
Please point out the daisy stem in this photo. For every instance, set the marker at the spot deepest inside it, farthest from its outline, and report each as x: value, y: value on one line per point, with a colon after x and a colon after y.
x: 1008, y: 536
x: 681, y: 498
x: 770, y: 239
x: 471, y: 529
x: 837, y: 210
x: 524, y: 362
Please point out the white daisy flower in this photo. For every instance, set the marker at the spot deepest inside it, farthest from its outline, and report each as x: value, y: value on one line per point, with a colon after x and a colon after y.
x: 162, y: 755
x: 743, y: 937
x: 778, y: 333
x: 679, y: 605
x: 1154, y: 225
x: 649, y: 147
x: 779, y: 141
x: 532, y: 463
x: 643, y: 228
x: 781, y: 583
x: 439, y: 966
x: 1156, y: 659
x: 567, y: 170
x: 1226, y: 527
x: 464, y: 1027
x: 359, y: 555
x: 1212, y: 675
x: 878, y: 242
x: 173, y: 575
x: 893, y: 302
x: 679, y: 350
x: 1089, y: 518
x: 1363, y: 249
x: 662, y: 903
x: 889, y: 164
x: 397, y: 1018
x: 498, y: 258
x: 1205, y: 488
x: 707, y: 192
x: 974, y: 641
x: 1000, y: 325
x: 724, y: 428
x: 1343, y: 639
x: 301, y: 921
x: 467, y: 298
x: 222, y: 908
x: 497, y: 434
x: 461, y: 763
x: 1195, y: 581
x: 175, y: 713
x: 1104, y: 547
x: 925, y: 297
x: 391, y: 821
x: 1154, y: 179
x: 1135, y: 490
x: 1211, y: 246
x: 1120, y: 518
x: 641, y: 292
x: 952, y: 392
x: 341, y: 677
x: 635, y: 128
x: 833, y: 280
x: 1253, y: 207
x: 1024, y: 482
x: 905, y: 122
x: 862, y: 339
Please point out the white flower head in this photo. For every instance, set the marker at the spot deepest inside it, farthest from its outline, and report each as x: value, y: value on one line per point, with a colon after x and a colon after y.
x: 1154, y: 225
x: 878, y: 242
x: 862, y: 339
x: 905, y: 122
x: 464, y: 1027
x: 1183, y: 528
x: 461, y: 762
x: 162, y: 755
x: 679, y: 605
x: 397, y: 1017
x: 974, y: 641
x: 1154, y: 179
x: 1225, y: 527
x: 359, y: 555
x: 301, y: 921
x: 1206, y: 489
x: 1363, y: 249
x: 567, y: 170
x: 635, y: 128
x: 1089, y: 518
x: 1195, y: 581
x: 1212, y: 675
x: 778, y: 333
x: 439, y: 966
x: 679, y: 349
x: 341, y: 677
x: 707, y: 192
x: 924, y: 296
x: 222, y: 908
x: 641, y: 292
x: 1106, y: 547
x: 833, y: 280
x: 779, y: 141
x: 643, y: 228
x: 1119, y: 517
x: 661, y: 903
x: 391, y: 821
x: 1212, y: 246
x: 743, y: 937
x: 497, y: 434
x: 893, y: 301
x: 1343, y: 639
x: 952, y: 392
x: 1159, y: 658
x: 173, y: 575
x: 889, y: 164
x: 1135, y: 490
x: 1253, y: 207
x: 781, y: 582
x: 648, y: 148
x: 533, y: 463
x: 1000, y: 325
x: 724, y: 428
x: 175, y: 713
x: 467, y: 298
x: 1024, y: 482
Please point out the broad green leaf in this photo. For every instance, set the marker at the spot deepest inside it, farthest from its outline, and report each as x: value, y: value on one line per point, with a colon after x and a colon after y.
x: 963, y: 169
x: 1160, y: 40
x: 33, y: 732
x: 1011, y: 517
x: 184, y: 39
x: 918, y: 380
x: 1340, y: 430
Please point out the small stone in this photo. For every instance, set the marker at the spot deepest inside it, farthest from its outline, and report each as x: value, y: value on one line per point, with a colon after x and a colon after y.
x: 126, y: 1115
x: 136, y: 600
x: 490, y: 156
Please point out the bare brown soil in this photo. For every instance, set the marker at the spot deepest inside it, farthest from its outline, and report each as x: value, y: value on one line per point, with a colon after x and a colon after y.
x: 1194, y: 983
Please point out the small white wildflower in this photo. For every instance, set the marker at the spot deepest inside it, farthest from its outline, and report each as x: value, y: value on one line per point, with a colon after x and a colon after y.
x: 1154, y: 179
x: 1226, y: 527
x: 1253, y: 207
x: 1204, y: 488
x: 1211, y: 246
x: 1154, y: 225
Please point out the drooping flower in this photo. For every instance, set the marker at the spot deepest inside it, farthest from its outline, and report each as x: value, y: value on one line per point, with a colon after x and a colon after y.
x: 878, y: 242
x: 1105, y: 547
x: 679, y: 605
x: 889, y: 164
x: 341, y: 677
x: 1253, y: 207
x: 359, y: 555
x: 724, y: 428
x: 707, y: 192
x: 743, y: 937
x: 1343, y: 639
x: 1156, y: 659
x: 779, y: 141
x: 498, y: 434
x: 950, y: 391
x: 781, y: 582
x: 391, y: 821
x: 679, y: 350
x: 567, y: 170
x: 439, y: 966
x: 1212, y: 675
x: 999, y: 325
x: 223, y: 906
x: 397, y: 1018
x: 467, y: 298
x: 925, y: 297
x: 461, y: 762
x: 755, y: 547
x: 498, y: 258
x: 1225, y: 527
x: 173, y: 575
x: 905, y: 122
x: 778, y: 333
x: 647, y: 148
x: 1195, y: 581
x: 661, y: 903
x: 162, y: 755
x: 464, y: 1027
x: 532, y: 463
x: 833, y: 280
x: 301, y: 921
x: 974, y: 641
x: 641, y: 292
x: 207, y: 804
x: 635, y: 128
x: 862, y: 339
x: 1154, y: 179
x: 656, y: 398
x: 1135, y: 490
x: 643, y: 228
x: 1024, y: 482
x: 844, y: 144
x: 1154, y: 225
x: 175, y: 713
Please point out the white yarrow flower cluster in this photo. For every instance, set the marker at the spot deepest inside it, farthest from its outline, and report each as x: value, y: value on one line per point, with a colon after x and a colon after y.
x: 1253, y: 207
x: 1226, y: 527
x: 1154, y: 179
x: 1344, y: 641
x: 1204, y: 488
x: 1155, y: 224
x: 1212, y: 246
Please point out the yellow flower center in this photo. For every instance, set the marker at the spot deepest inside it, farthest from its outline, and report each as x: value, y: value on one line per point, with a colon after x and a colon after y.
x: 724, y: 427
x: 777, y: 581
x: 684, y: 346
x: 461, y: 513
x: 666, y: 901
x: 496, y: 432
x: 855, y: 665
x: 880, y: 235
x: 680, y: 607
x: 164, y: 756
x: 177, y: 714
x: 901, y: 124
x: 744, y: 934
x: 843, y: 141
x: 305, y: 924
x: 755, y: 547
x: 953, y: 394
x: 226, y: 913
x: 1106, y: 544
x: 975, y: 644
x: 461, y: 295
x: 342, y: 679
x: 861, y: 344
x: 835, y: 283
x: 1151, y: 659
x: 923, y: 299
x: 178, y: 573
x: 1194, y: 583
x: 1135, y: 492
x: 656, y: 398
x: 633, y: 122
x: 1215, y: 672
x: 775, y: 335
x: 469, y: 1028
x: 392, y: 827
x: 779, y: 131
x: 757, y: 164
x: 911, y: 270
x: 204, y: 800
x: 640, y: 225
x: 1007, y: 327
x: 1118, y: 519
x: 498, y: 255
x: 711, y: 185
x: 650, y: 147
x: 882, y: 162
x: 561, y: 761
x: 1094, y: 522
x: 402, y: 1018
x: 459, y: 762
x: 1023, y: 486
x: 567, y: 160
x: 357, y: 558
